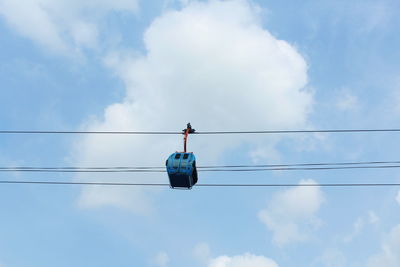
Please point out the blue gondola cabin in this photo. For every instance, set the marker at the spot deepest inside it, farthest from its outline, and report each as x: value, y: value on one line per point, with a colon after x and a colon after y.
x: 181, y: 168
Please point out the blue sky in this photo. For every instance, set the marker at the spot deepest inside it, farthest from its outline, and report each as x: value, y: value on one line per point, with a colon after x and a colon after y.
x: 222, y: 65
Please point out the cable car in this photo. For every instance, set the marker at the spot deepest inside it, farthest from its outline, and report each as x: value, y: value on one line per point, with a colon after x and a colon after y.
x: 181, y: 166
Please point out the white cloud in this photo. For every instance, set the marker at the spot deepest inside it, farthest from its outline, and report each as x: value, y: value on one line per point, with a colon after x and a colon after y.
x: 357, y: 228
x: 62, y: 26
x: 161, y: 259
x: 210, y: 63
x: 373, y: 15
x: 360, y: 224
x: 347, y: 101
x: 290, y: 214
x: 184, y: 2
x: 265, y: 152
x: 389, y: 256
x: 331, y: 258
x: 202, y: 252
x: 364, y: 17
x: 131, y: 199
x: 373, y: 218
x: 244, y: 260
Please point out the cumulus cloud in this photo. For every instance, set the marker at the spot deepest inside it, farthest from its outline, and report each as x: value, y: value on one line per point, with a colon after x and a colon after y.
x: 291, y: 214
x: 331, y: 258
x: 347, y: 101
x: 210, y: 63
x: 62, y: 26
x: 389, y: 256
x: 244, y: 260
x: 161, y: 259
x: 360, y: 224
x: 135, y: 200
x: 202, y: 252
x: 373, y: 16
x: 398, y: 197
x: 373, y: 218
x: 357, y: 228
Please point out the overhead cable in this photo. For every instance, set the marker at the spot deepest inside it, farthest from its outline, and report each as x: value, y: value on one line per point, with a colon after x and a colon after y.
x: 13, y: 168
x: 201, y: 185
x: 200, y: 132
x: 247, y: 169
